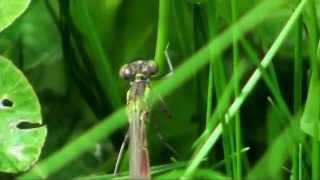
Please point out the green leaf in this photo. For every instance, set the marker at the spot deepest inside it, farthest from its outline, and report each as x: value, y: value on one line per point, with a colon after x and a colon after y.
x: 20, y: 146
x: 11, y: 10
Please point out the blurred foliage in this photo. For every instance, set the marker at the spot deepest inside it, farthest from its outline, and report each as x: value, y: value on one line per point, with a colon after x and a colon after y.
x: 71, y: 51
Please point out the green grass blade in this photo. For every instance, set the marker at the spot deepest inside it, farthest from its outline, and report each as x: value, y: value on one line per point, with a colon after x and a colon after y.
x: 217, y: 77
x: 297, y: 89
x: 246, y: 89
x: 235, y: 54
x: 199, y: 174
x: 162, y: 36
x: 212, y: 29
x: 183, y: 23
x: 269, y: 78
x: 101, y: 62
x: 266, y: 60
x: 216, y: 46
x: 273, y: 160
x: 310, y: 119
x: 155, y: 170
x: 300, y: 163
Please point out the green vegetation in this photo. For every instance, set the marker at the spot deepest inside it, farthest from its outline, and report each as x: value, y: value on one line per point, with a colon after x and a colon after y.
x: 244, y: 97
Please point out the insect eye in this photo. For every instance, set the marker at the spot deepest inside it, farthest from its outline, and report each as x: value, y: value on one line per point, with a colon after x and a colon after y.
x: 152, y: 67
x: 148, y: 70
x: 125, y: 72
x: 139, y: 62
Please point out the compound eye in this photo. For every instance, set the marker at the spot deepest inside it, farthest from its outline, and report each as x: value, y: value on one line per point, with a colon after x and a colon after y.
x: 125, y: 72
x: 152, y: 67
x: 149, y: 68
x: 139, y: 62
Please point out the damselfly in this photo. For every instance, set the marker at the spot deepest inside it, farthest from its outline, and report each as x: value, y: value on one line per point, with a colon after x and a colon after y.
x: 139, y: 73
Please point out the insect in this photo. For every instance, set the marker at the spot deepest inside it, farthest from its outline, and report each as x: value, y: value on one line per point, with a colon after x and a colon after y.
x: 138, y: 73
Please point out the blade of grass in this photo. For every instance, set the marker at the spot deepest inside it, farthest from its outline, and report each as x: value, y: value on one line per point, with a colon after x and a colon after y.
x: 74, y: 56
x: 269, y: 79
x: 272, y: 161
x: 227, y: 148
x: 229, y: 140
x: 154, y: 171
x: 297, y: 89
x: 162, y: 36
x: 235, y: 55
x: 220, y: 163
x: 300, y: 163
x: 108, y: 125
x: 219, y: 76
x: 101, y: 62
x: 216, y: 76
x: 183, y: 23
x: 199, y: 174
x: 216, y: 46
x: 246, y: 89
x: 312, y: 113
x: 216, y: 79
x: 218, y: 116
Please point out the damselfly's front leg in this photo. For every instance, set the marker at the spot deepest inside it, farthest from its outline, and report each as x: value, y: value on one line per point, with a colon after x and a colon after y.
x: 120, y: 155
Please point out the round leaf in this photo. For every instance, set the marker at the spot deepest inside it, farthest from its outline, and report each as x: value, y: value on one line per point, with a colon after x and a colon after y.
x: 10, y: 10
x: 21, y: 134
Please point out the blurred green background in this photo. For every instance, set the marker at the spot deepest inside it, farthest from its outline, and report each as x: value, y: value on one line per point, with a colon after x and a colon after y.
x: 71, y: 51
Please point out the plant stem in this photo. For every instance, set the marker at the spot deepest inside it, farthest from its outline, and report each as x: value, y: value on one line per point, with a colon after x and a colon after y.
x: 162, y: 36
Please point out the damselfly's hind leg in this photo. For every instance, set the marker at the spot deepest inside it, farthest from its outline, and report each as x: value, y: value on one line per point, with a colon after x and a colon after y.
x: 120, y: 155
x: 163, y: 140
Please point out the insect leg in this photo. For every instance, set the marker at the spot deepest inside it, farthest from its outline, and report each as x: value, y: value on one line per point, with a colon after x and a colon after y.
x: 166, y: 53
x: 162, y: 139
x: 125, y: 140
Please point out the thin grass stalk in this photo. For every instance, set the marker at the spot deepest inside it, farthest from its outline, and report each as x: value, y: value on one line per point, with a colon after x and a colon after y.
x: 269, y: 78
x: 216, y: 77
x: 218, y: 114
x: 209, y: 94
x: 266, y: 60
x: 246, y: 89
x: 227, y: 148
x: 230, y: 131
x: 300, y: 177
x: 216, y: 46
x: 162, y: 34
x: 312, y: 26
x: 103, y: 68
x: 295, y: 163
x: 235, y: 55
x: 212, y: 32
x: 297, y: 89
x: 273, y: 160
